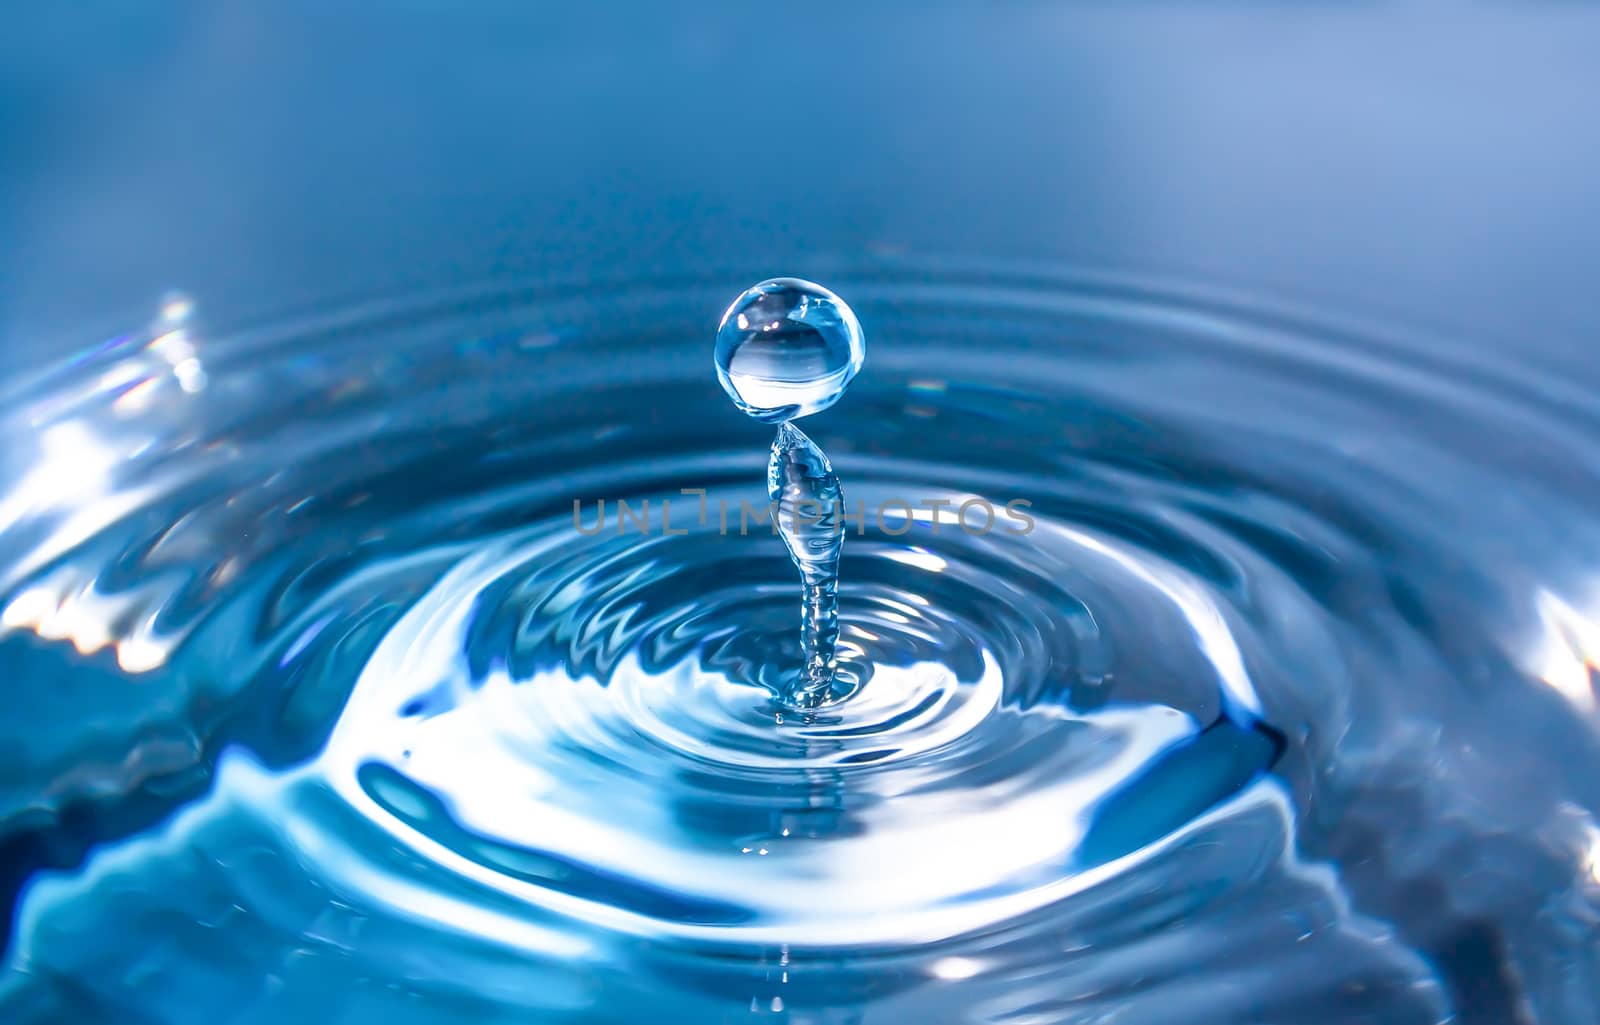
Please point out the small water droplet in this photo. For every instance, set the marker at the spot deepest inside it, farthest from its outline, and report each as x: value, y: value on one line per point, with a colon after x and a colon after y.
x: 788, y: 348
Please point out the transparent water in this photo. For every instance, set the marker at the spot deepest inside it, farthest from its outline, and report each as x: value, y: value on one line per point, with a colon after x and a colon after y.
x: 806, y: 501
x: 787, y: 348
x: 1273, y: 703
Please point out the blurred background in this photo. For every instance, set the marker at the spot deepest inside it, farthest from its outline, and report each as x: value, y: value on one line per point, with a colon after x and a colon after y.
x: 1422, y: 164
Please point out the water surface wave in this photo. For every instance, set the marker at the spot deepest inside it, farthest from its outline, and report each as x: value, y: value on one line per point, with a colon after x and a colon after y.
x: 1280, y: 711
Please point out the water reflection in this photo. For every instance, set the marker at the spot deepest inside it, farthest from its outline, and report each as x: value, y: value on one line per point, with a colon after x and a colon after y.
x: 69, y: 489
x: 1568, y: 652
x: 392, y: 721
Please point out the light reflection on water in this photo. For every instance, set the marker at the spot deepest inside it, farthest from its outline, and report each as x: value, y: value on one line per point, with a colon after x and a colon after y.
x: 1283, y: 712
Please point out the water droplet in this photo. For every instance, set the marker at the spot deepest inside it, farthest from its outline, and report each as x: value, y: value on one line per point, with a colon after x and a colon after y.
x: 788, y: 348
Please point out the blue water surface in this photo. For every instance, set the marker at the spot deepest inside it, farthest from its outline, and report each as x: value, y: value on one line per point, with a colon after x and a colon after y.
x: 1275, y: 704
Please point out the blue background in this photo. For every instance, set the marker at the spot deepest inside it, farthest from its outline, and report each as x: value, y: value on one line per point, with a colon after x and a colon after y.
x: 1431, y: 165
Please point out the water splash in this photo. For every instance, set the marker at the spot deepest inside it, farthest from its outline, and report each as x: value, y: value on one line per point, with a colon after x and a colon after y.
x: 807, y: 502
x: 415, y: 741
x: 788, y: 348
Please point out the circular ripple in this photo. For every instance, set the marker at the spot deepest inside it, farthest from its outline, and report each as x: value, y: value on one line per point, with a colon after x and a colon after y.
x: 957, y: 788
x: 1288, y: 594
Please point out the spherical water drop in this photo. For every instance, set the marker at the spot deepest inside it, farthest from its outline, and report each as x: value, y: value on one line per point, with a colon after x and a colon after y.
x: 788, y: 348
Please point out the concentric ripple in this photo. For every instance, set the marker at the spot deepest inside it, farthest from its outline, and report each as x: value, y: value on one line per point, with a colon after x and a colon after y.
x: 1274, y: 704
